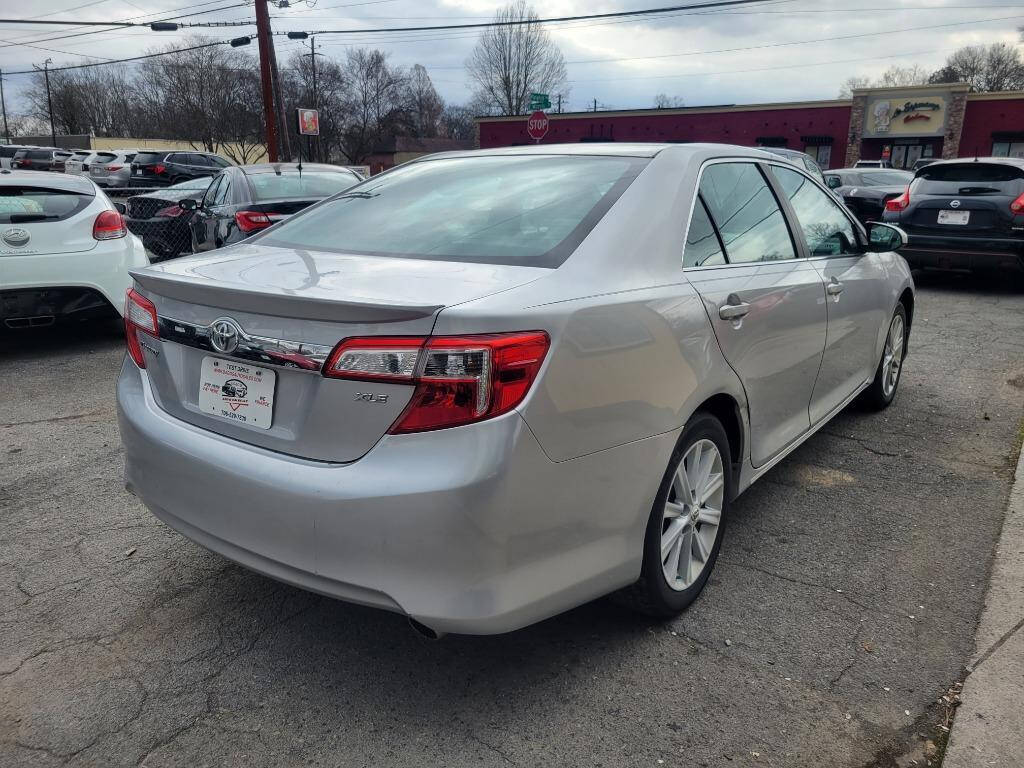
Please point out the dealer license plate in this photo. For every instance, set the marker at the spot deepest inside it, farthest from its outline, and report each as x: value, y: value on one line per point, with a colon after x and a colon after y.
x: 237, y: 392
x: 954, y: 217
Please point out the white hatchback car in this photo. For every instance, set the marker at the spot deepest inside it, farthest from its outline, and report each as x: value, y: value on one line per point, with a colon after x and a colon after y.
x: 64, y: 250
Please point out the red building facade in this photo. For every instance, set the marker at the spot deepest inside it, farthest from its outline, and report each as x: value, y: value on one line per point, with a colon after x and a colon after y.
x: 900, y: 125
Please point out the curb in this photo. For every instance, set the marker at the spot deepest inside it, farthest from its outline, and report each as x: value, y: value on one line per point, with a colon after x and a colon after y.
x: 989, y: 726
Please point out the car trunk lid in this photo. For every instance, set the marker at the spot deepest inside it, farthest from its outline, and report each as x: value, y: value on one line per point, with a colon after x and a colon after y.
x: 291, y: 308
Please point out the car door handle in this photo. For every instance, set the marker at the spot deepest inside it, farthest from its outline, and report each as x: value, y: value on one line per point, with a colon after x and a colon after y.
x: 834, y: 288
x: 734, y: 310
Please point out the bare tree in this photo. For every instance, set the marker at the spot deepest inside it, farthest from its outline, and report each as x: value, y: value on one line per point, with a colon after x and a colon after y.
x: 374, y: 104
x: 422, y: 103
x: 664, y: 101
x: 457, y: 122
x: 996, y: 67
x: 895, y: 76
x: 511, y: 62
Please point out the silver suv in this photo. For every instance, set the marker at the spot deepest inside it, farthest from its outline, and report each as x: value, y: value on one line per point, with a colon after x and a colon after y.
x: 112, y: 168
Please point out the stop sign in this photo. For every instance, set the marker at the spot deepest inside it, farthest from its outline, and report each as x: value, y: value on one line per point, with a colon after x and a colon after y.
x: 537, y: 125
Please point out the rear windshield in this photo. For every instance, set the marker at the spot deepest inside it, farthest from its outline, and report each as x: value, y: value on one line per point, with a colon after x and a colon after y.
x: 40, y: 154
x: 102, y: 158
x: 315, y: 185
x: 149, y: 157
x: 27, y: 204
x: 525, y: 210
x: 971, y: 172
x: 8, y: 151
x: 883, y: 178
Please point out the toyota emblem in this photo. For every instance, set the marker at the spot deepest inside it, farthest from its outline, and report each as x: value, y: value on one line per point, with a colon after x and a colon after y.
x: 954, y: 203
x: 225, y: 335
x: 15, y: 236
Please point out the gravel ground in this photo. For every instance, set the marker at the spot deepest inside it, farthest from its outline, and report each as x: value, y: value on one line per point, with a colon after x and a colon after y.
x: 843, y: 605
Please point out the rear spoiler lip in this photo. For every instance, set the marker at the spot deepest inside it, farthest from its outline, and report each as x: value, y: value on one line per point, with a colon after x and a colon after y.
x: 198, y: 291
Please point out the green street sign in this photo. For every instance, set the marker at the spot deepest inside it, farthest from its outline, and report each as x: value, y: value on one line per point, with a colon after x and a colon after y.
x: 539, y: 101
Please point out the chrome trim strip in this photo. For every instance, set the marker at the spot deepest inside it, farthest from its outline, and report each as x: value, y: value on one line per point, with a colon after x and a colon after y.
x: 278, y: 353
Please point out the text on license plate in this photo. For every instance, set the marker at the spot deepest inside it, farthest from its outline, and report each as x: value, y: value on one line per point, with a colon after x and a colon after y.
x: 237, y: 392
x: 954, y: 217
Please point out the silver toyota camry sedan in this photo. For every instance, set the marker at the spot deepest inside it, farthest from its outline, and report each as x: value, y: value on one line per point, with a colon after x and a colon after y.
x: 485, y: 387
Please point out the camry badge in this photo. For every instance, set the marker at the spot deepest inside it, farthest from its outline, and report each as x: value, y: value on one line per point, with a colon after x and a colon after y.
x: 16, y: 236
x: 225, y: 335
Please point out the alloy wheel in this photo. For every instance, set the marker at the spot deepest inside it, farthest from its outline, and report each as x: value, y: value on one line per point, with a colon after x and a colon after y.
x: 892, y: 356
x: 693, y: 514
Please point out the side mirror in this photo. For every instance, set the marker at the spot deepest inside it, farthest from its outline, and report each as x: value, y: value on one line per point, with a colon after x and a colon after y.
x: 833, y: 182
x: 121, y: 208
x: 883, y: 238
x: 188, y: 204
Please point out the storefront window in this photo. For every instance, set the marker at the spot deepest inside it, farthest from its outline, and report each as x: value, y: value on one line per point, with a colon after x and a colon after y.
x: 1008, y: 149
x: 822, y: 153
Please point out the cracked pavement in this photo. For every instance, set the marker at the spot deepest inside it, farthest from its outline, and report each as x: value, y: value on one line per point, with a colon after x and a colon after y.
x: 849, y: 587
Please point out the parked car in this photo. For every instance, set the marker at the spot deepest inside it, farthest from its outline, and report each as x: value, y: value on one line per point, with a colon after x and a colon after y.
x: 872, y: 164
x: 77, y: 163
x: 160, y: 221
x: 243, y: 200
x: 112, y: 168
x: 799, y: 159
x: 7, y: 153
x: 511, y: 399
x: 866, y: 190
x: 40, y: 159
x: 64, y: 251
x: 163, y: 168
x: 964, y: 214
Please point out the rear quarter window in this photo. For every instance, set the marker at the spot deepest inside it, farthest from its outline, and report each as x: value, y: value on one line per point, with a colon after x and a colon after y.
x: 22, y: 204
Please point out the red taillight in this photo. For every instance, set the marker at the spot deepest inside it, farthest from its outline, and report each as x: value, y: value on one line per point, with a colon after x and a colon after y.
x: 900, y: 203
x: 109, y: 225
x: 159, y: 168
x: 139, y: 317
x: 170, y: 211
x: 114, y: 167
x: 1017, y: 206
x: 250, y: 221
x: 459, y: 379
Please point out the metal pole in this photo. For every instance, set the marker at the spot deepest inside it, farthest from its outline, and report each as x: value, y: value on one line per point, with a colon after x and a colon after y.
x: 316, y: 103
x: 263, y: 38
x: 282, y: 124
x: 7, y: 132
x: 49, y: 100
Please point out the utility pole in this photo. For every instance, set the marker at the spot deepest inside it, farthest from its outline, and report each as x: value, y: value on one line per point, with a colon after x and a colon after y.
x: 3, y: 104
x: 49, y: 99
x: 282, y: 123
x: 559, y: 110
x: 263, y: 38
x: 316, y: 101
x: 595, y: 105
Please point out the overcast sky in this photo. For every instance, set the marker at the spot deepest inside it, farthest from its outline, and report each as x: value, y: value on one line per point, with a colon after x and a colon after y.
x: 623, y: 64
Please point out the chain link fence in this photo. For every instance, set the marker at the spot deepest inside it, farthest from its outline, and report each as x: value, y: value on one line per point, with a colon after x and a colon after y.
x: 156, y: 219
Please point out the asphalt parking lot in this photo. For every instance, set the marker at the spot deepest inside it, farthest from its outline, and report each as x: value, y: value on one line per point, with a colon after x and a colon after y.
x: 842, y: 607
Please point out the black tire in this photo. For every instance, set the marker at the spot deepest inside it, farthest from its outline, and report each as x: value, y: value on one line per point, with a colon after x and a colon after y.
x: 651, y: 593
x: 875, y: 396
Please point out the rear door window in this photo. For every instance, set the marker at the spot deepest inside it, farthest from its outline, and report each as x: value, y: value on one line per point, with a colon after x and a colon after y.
x: 211, y: 192
x: 703, y: 247
x: 746, y: 213
x: 23, y: 204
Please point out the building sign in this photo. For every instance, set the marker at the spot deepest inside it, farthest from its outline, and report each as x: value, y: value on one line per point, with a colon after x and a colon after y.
x: 921, y: 114
x: 309, y: 122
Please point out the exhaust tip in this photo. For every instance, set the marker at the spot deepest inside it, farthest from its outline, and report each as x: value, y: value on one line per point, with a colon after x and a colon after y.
x: 423, y: 630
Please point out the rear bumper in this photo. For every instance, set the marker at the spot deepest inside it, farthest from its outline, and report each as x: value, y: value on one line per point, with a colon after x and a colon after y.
x: 103, y: 269
x: 947, y: 252
x: 38, y: 307
x: 471, y: 529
